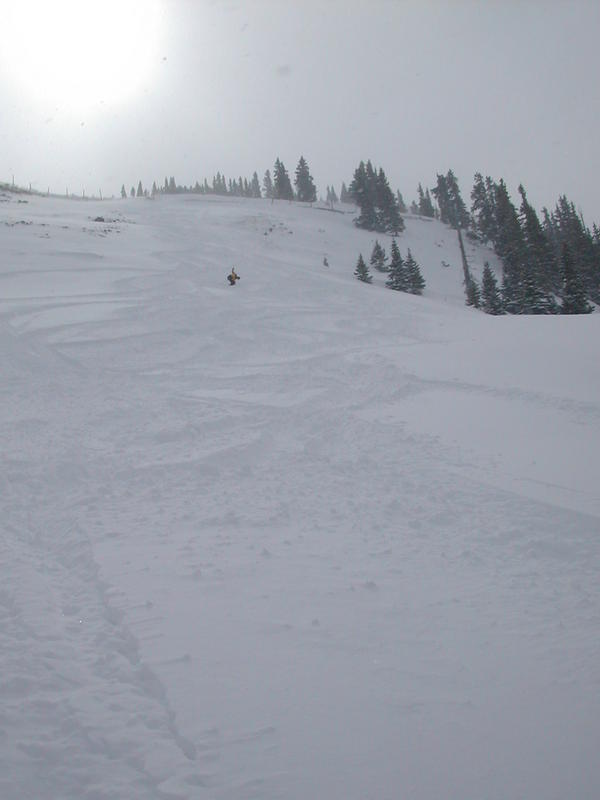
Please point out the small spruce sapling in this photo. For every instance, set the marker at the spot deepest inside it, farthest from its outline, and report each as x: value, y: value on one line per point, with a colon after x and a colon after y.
x: 379, y: 258
x: 362, y: 271
x: 415, y: 280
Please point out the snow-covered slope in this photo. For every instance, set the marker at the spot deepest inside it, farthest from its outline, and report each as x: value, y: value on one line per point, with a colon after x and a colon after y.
x: 301, y: 538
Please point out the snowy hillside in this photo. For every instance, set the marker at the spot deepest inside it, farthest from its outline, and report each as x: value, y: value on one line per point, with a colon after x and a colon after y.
x: 302, y: 538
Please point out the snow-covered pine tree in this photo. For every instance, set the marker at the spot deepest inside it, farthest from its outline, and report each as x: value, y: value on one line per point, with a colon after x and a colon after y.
x: 123, y: 191
x: 415, y: 281
x: 378, y: 258
x: 362, y: 271
x: 397, y: 278
x: 574, y: 294
x: 491, y: 301
x: 305, y: 187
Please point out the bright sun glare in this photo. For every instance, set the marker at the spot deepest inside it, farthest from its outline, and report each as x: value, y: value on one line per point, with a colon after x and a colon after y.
x: 79, y: 53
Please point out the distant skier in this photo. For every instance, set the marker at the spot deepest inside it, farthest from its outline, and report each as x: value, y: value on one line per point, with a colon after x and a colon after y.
x: 233, y: 277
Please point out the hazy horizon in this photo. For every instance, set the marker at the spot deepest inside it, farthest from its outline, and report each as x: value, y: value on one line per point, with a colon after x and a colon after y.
x: 191, y: 88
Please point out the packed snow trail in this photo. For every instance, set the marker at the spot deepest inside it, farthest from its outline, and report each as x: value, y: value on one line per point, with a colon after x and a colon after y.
x: 264, y: 543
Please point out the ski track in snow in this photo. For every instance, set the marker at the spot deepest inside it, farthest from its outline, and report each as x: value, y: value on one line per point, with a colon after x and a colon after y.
x: 262, y: 542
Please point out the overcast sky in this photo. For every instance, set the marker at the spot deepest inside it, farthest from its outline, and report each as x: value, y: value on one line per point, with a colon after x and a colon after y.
x: 507, y: 88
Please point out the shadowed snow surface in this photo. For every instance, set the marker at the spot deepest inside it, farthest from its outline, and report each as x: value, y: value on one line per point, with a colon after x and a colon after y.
x: 299, y: 538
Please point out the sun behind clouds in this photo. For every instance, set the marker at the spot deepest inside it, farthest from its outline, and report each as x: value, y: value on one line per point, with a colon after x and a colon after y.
x: 79, y: 53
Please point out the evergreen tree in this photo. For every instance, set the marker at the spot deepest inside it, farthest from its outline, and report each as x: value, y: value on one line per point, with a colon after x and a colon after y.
x: 483, y: 208
x: 534, y: 300
x: 389, y: 218
x: 425, y: 204
x: 154, y: 189
x: 362, y: 192
x: 400, y: 201
x: 358, y: 189
x: 219, y: 184
x: 459, y: 209
x: 132, y: 192
x: 472, y: 292
x: 255, y: 186
x: 510, y: 246
x: 440, y: 192
x: 282, y: 187
x: 378, y: 258
x: 491, y: 302
x: 305, y: 187
x: 268, y: 185
x: 452, y: 208
x: 539, y: 250
x: 123, y: 191
x: 397, y: 278
x: 428, y: 209
x: 371, y: 192
x: 570, y: 228
x: 362, y: 271
x: 574, y: 294
x: 421, y: 198
x: 140, y: 191
x: 344, y: 194
x: 415, y: 281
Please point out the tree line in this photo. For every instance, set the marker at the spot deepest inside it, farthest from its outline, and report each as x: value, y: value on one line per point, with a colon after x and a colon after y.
x: 276, y: 186
x: 549, y: 265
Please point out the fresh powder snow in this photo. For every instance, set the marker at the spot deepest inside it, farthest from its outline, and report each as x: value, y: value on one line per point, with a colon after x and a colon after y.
x: 300, y: 538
